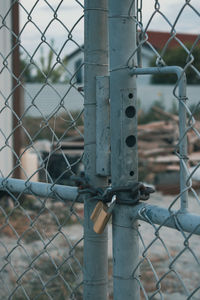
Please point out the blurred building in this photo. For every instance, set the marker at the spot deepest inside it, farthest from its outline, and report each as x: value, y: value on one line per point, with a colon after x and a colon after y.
x: 156, y: 40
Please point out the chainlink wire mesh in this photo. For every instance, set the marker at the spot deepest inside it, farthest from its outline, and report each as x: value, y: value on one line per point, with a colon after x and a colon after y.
x: 41, y: 238
x: 41, y: 141
x: 169, y: 258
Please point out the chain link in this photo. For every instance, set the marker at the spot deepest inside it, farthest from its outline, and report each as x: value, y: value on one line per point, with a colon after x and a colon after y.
x: 169, y: 262
x: 41, y: 129
x: 41, y: 238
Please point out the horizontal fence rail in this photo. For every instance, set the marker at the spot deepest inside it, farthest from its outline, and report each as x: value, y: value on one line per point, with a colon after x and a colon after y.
x: 185, y: 222
x: 39, y: 189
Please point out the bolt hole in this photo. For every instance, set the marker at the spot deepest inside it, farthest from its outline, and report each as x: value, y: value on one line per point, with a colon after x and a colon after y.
x: 130, y: 95
x: 130, y: 111
x: 130, y: 141
x: 131, y: 173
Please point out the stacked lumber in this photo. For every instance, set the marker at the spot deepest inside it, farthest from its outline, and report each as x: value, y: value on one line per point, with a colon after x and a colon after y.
x: 157, y: 138
x: 157, y: 143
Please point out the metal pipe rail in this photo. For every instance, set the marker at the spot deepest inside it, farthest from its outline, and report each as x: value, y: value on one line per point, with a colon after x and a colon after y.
x: 181, y: 83
x: 39, y: 189
x: 155, y: 70
x: 185, y: 222
x: 188, y: 222
x: 169, y: 218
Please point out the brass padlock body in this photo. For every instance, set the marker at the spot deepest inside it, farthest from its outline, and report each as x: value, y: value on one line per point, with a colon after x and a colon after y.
x: 97, y: 211
x: 100, y: 217
x: 101, y: 220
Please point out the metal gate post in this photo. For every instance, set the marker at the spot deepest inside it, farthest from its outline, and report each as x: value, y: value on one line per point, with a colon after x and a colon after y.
x: 96, y: 64
x: 122, y: 42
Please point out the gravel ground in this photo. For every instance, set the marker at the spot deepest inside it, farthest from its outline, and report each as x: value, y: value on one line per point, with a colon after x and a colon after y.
x: 185, y: 272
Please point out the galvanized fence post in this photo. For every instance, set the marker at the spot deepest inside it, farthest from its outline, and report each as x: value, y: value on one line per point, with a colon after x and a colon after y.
x: 96, y: 64
x: 122, y: 38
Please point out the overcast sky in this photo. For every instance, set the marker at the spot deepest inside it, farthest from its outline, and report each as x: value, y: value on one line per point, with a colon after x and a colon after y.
x: 70, y: 12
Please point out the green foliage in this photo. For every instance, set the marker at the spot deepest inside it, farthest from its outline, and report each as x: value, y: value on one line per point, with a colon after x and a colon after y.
x: 174, y: 107
x: 26, y: 70
x: 178, y: 57
x: 46, y: 68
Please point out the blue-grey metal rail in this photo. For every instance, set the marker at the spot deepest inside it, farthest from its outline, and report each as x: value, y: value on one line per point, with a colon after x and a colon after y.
x: 39, y: 189
x: 182, y: 145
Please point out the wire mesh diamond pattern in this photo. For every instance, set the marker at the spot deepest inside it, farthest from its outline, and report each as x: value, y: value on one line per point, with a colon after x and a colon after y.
x: 169, y: 262
x: 41, y: 141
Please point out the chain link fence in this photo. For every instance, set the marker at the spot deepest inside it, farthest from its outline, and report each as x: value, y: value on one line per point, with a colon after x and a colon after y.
x: 41, y: 150
x: 169, y: 261
x: 41, y: 247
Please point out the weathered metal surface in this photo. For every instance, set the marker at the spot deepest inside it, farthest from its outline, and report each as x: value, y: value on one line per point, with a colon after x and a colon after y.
x: 102, y: 126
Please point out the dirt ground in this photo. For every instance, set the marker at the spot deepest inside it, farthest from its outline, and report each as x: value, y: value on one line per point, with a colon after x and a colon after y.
x: 169, y: 265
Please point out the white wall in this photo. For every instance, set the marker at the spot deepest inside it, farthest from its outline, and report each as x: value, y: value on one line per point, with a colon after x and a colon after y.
x: 48, y: 101
x: 5, y: 89
x: 149, y: 93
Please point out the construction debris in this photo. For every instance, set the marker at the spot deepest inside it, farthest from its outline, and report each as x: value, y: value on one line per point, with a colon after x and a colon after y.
x: 157, y: 145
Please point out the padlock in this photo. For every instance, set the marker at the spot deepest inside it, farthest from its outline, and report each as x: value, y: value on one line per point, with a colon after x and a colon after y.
x: 96, y: 211
x: 102, y: 219
x: 101, y: 215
